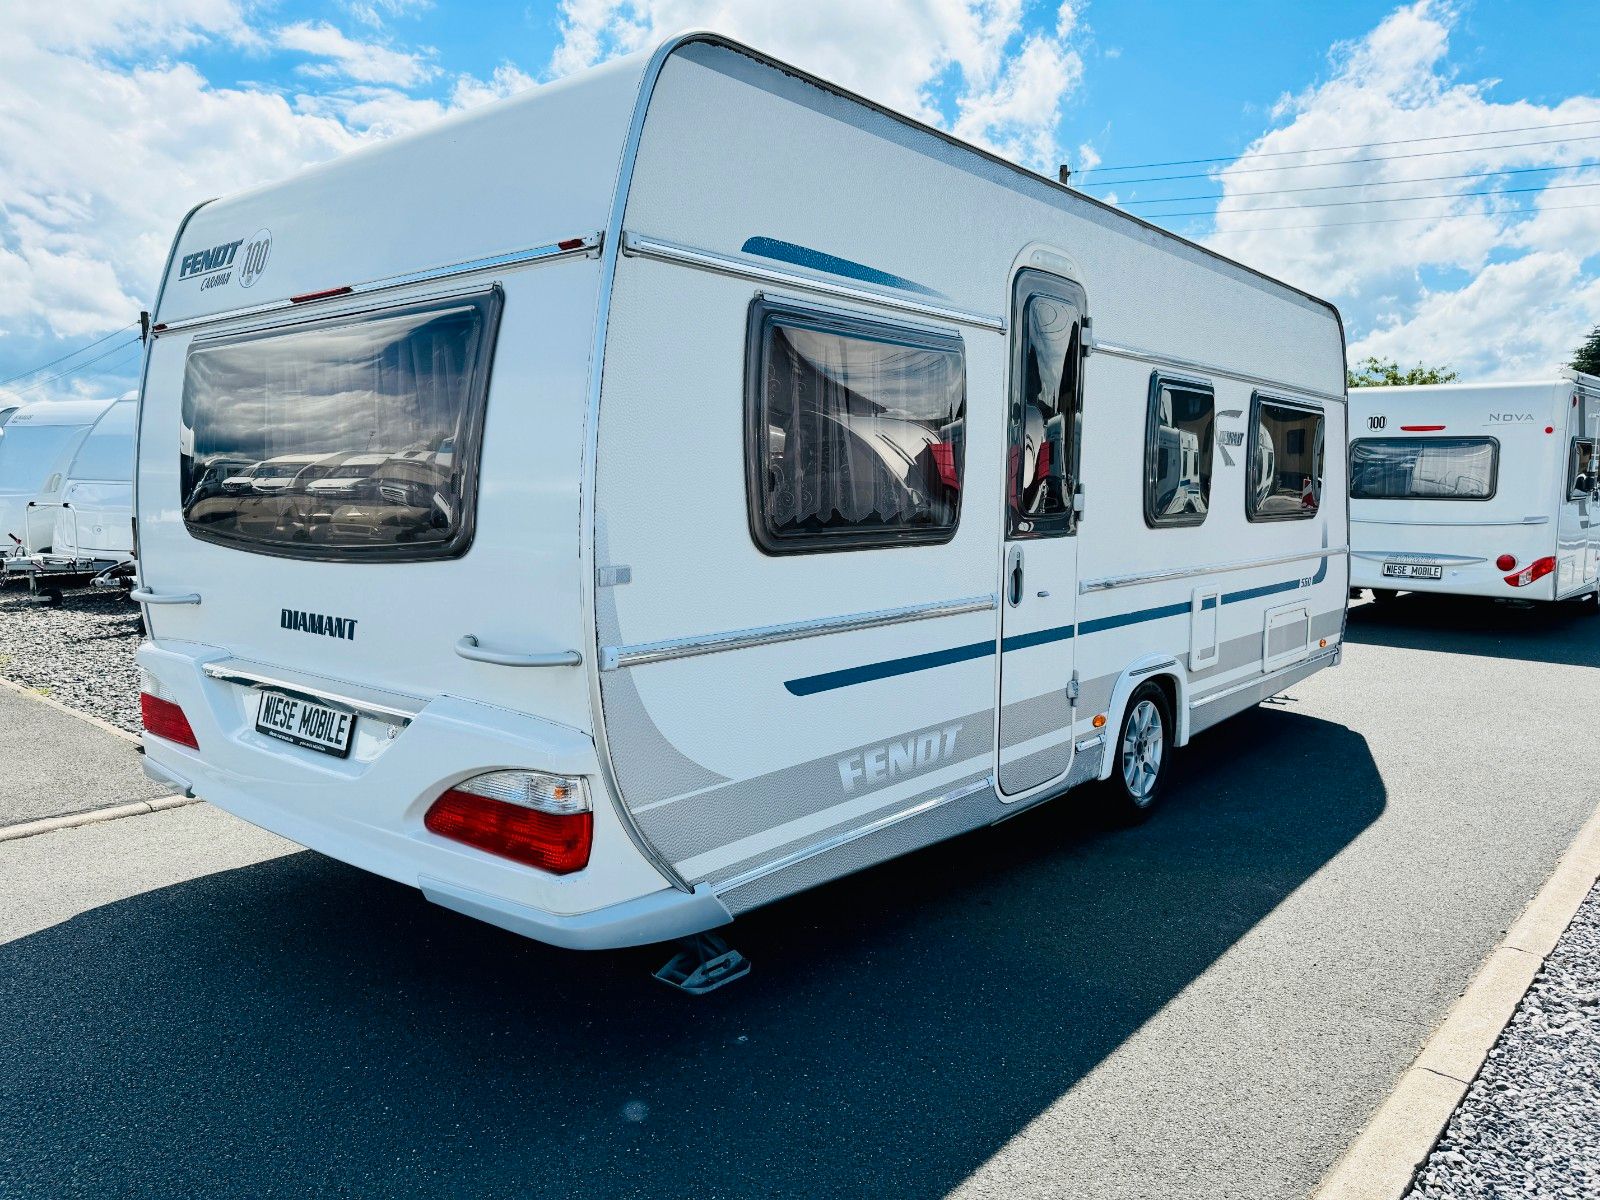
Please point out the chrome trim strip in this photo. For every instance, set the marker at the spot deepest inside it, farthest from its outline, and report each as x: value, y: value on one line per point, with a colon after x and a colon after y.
x: 851, y: 835
x: 145, y: 596
x: 255, y: 680
x: 1332, y: 652
x: 1421, y: 556
x: 469, y: 648
x: 1451, y: 524
x: 1158, y: 359
x: 1092, y: 743
x: 516, y: 258
x: 1119, y: 581
x: 636, y: 246
x: 614, y: 658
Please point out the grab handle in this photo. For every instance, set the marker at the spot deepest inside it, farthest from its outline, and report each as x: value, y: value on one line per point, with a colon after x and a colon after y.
x: 145, y: 596
x: 468, y: 647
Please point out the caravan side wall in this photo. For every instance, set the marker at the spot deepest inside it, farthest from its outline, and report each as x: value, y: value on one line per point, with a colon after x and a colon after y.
x: 766, y: 768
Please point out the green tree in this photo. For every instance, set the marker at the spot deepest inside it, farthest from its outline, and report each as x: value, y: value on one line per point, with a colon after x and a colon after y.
x: 1385, y: 372
x: 1587, y: 356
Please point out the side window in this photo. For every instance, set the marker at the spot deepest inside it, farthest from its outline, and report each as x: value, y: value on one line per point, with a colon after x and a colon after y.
x: 1044, y: 413
x: 1581, y: 470
x: 855, y: 432
x: 1178, y: 447
x: 1284, y: 477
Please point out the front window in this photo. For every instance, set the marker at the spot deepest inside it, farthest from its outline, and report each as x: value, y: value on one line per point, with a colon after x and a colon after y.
x: 855, y: 432
x: 351, y: 438
x: 107, y: 453
x: 1457, y: 468
x: 1178, y: 438
x: 1285, y: 457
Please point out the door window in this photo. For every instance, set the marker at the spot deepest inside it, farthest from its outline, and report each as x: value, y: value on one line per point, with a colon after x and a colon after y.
x: 1581, y: 470
x: 1045, y: 412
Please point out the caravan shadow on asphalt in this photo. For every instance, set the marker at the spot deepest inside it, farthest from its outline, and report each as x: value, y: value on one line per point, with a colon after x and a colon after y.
x: 1568, y: 632
x: 301, y: 1027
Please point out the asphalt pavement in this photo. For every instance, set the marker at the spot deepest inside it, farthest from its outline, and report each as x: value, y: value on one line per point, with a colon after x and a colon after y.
x: 1211, y: 1004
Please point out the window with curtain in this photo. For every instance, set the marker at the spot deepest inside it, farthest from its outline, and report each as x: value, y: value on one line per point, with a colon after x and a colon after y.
x: 349, y: 438
x: 1445, y: 468
x: 856, y: 434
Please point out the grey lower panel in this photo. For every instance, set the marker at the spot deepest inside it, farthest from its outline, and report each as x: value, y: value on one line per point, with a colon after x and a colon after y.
x: 914, y: 833
x: 935, y: 825
x: 1204, y: 716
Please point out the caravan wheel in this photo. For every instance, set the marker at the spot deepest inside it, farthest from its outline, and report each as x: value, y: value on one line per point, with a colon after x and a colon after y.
x: 1142, y: 749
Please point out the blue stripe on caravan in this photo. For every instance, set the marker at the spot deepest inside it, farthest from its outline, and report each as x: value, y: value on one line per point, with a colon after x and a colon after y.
x: 810, y: 685
x: 1133, y: 618
x: 816, y: 260
x: 850, y: 676
x: 1040, y: 637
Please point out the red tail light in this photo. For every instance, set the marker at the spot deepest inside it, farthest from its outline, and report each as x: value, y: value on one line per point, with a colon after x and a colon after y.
x: 554, y: 842
x: 166, y: 720
x: 1535, y: 570
x: 1506, y: 562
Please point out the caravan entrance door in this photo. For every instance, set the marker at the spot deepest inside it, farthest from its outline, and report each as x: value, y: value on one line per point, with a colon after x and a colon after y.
x: 1039, y: 584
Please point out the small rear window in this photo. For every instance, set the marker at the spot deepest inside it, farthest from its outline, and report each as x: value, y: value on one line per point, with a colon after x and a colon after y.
x: 354, y: 438
x: 1446, y: 468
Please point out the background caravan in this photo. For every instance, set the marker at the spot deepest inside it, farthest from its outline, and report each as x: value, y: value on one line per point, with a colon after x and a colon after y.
x: 37, y: 438
x: 784, y: 535
x: 1481, y: 489
x: 80, y: 525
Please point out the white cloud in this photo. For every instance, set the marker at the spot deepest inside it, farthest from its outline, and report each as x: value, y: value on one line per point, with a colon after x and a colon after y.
x: 364, y: 62
x: 965, y: 65
x: 1386, y: 273
x: 94, y: 182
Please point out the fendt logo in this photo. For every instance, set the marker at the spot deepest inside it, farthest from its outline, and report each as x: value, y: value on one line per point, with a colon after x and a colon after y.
x: 208, y: 262
x: 1510, y: 418
x: 879, y: 764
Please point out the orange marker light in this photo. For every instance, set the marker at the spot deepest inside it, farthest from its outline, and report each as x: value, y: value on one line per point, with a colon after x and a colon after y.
x: 1099, y: 720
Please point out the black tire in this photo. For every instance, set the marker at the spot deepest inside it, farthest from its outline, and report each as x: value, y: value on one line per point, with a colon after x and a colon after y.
x: 1141, y: 754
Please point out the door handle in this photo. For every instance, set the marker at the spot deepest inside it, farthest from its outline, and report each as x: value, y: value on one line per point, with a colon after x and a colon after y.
x: 1014, y: 576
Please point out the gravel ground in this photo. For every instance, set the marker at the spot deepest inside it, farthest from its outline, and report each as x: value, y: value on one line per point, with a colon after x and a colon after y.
x: 1530, y: 1123
x: 80, y: 653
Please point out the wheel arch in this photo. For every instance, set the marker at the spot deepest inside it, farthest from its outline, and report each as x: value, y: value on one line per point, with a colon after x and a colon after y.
x: 1161, y: 669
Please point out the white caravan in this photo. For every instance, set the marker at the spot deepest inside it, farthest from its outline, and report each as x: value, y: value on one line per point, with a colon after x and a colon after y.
x: 1480, y: 489
x: 80, y: 526
x: 753, y: 502
x: 38, y: 437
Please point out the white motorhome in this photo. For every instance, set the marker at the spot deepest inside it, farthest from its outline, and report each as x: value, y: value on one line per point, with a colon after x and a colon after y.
x: 38, y: 437
x: 1478, y: 489
x: 80, y: 526
x: 755, y: 503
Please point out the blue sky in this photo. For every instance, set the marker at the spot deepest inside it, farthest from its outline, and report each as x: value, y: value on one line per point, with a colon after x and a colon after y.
x: 115, y: 118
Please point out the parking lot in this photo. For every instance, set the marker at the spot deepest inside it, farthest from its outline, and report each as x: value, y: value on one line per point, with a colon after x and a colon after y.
x: 1210, y: 1004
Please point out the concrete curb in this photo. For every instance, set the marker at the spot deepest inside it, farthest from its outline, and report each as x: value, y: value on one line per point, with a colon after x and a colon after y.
x: 12, y: 685
x: 1385, y: 1156
x: 94, y: 816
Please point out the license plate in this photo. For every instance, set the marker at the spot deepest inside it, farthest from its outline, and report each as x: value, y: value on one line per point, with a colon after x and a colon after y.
x: 1398, y: 570
x: 306, y: 723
